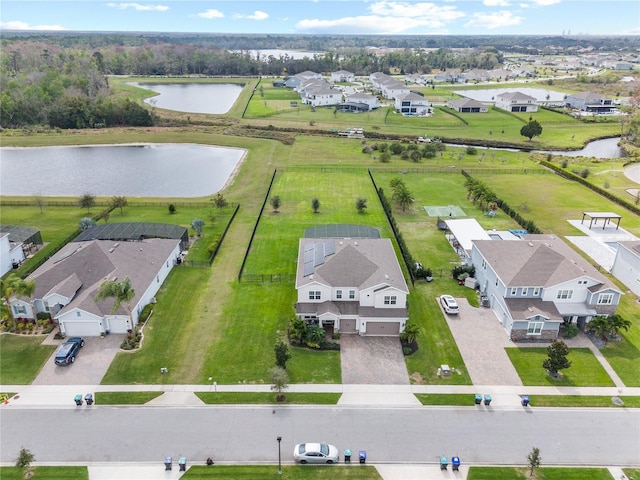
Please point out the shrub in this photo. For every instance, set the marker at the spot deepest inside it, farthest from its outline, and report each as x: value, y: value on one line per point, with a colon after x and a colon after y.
x: 564, y: 163
x: 570, y: 331
x: 146, y: 311
x: 472, y: 151
x: 336, y: 335
x: 406, y: 351
x: 367, y: 149
x: 584, y: 173
x: 43, y: 316
x: 172, y: 208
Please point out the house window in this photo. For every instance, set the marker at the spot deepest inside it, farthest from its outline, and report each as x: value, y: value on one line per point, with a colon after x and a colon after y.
x: 19, y: 309
x: 339, y: 294
x: 534, y: 328
x: 514, y: 291
x: 564, y: 294
x: 157, y: 278
x: 390, y: 299
x: 314, y: 295
x: 605, y: 299
x: 582, y: 282
x: 352, y: 294
x: 536, y: 292
x: 525, y: 292
x: 78, y: 314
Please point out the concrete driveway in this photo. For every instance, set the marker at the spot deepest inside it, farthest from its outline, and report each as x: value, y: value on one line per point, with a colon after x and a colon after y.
x: 90, y: 366
x: 372, y: 361
x: 481, y: 341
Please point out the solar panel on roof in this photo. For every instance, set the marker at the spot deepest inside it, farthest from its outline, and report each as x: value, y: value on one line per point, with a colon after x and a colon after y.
x: 319, y: 254
x: 307, y: 269
x: 329, y: 247
x: 308, y: 246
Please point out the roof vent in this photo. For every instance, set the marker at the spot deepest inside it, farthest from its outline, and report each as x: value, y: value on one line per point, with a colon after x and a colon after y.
x: 355, y: 243
x: 530, y: 244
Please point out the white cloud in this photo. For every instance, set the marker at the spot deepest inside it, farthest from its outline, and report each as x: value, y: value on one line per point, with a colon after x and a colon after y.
x: 542, y: 3
x: 139, y: 7
x: 496, y: 3
x: 18, y: 25
x: 388, y: 17
x: 503, y: 18
x: 257, y: 15
x: 211, y: 13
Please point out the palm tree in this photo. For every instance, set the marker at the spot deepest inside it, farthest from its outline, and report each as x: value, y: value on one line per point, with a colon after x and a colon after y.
x: 14, y: 285
x: 404, y: 198
x: 120, y: 292
x: 617, y: 323
x: 599, y: 326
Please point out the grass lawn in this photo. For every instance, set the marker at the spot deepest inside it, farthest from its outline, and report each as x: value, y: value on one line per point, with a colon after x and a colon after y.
x: 542, y: 473
x: 585, y: 370
x: 46, y: 473
x: 22, y: 357
x: 231, y: 398
x: 581, y: 401
x: 298, y: 472
x: 125, y: 398
x: 447, y: 399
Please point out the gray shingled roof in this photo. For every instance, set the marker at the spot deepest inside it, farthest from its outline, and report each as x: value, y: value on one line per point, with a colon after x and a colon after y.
x: 529, y: 307
x: 518, y: 96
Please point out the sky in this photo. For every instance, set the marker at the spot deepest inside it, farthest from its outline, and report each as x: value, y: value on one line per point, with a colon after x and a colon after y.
x: 390, y: 17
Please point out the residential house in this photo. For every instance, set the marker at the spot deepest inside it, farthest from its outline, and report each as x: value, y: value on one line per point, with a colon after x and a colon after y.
x: 412, y: 104
x: 467, y: 105
x: 377, y: 78
x: 11, y: 254
x: 476, y: 75
x: 354, y: 285
x: 67, y: 283
x: 626, y: 265
x: 342, y: 76
x: 590, y: 102
x: 323, y: 96
x: 297, y: 79
x: 538, y: 283
x: 365, y: 98
x: 392, y: 89
x: 500, y: 74
x: 516, y: 102
x: 623, y: 66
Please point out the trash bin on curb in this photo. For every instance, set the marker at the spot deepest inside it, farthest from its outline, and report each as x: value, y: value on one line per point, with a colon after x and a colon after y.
x: 525, y: 400
x: 478, y: 399
x: 89, y: 398
x: 487, y: 399
x: 455, y: 463
x: 347, y: 455
x: 78, y: 399
x: 362, y: 455
x: 168, y: 461
x: 182, y: 463
x: 444, y: 462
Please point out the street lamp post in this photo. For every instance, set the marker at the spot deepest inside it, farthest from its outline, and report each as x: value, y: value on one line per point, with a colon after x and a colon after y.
x: 279, y: 457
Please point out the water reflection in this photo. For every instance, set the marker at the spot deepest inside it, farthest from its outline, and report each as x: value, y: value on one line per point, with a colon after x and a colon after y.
x: 209, y: 98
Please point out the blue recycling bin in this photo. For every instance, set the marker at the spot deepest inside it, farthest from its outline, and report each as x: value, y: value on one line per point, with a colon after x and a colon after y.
x: 347, y: 455
x: 444, y: 462
x: 455, y: 463
x: 182, y: 464
x: 525, y: 400
x: 362, y: 456
x: 168, y: 462
x: 487, y: 399
x: 78, y: 399
x: 478, y: 399
x: 89, y: 398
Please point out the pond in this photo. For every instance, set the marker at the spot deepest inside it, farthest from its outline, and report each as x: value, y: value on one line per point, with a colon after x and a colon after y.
x: 134, y: 170
x: 209, y: 98
x: 606, y: 148
x: 488, y: 95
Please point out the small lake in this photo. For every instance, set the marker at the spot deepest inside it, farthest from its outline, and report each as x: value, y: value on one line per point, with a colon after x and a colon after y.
x: 140, y: 170
x: 606, y: 148
x: 488, y: 95
x: 210, y: 98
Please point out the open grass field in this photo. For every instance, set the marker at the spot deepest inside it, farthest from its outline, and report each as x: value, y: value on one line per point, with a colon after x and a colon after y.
x: 22, y: 357
x: 289, y: 472
x: 45, y: 473
x: 262, y: 398
x: 585, y: 370
x: 542, y: 473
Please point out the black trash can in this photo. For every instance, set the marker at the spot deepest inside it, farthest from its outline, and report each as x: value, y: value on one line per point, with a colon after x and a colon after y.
x: 362, y: 455
x: 487, y: 399
x: 478, y: 399
x: 455, y: 463
x: 78, y: 399
x: 182, y: 463
x: 525, y: 400
x: 347, y: 455
x: 168, y: 462
x: 89, y: 398
x: 444, y: 462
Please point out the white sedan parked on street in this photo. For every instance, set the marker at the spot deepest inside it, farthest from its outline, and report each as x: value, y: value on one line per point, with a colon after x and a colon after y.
x: 315, y: 453
x: 449, y: 304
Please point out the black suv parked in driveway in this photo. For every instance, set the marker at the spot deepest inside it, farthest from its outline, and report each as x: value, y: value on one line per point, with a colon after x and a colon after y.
x: 67, y: 352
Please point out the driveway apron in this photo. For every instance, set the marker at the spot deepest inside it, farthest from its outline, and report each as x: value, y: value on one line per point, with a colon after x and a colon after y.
x: 372, y: 361
x: 90, y: 366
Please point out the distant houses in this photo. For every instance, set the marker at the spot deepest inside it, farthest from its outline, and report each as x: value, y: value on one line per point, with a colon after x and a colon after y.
x: 467, y: 105
x: 590, y: 102
x: 516, y: 102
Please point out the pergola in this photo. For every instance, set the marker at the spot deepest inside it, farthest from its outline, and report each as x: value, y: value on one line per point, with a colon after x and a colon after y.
x: 594, y: 216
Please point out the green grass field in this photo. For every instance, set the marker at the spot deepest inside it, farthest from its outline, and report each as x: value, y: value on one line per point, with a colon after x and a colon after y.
x: 45, y: 473
x: 261, y: 398
x: 125, y: 398
x: 289, y: 472
x: 584, y: 371
x: 543, y: 473
x: 22, y: 357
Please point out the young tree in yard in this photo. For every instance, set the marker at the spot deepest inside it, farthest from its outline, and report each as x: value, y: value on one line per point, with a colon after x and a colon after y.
x: 87, y: 200
x: 410, y: 333
x: 361, y: 204
x: 534, y: 459
x: 85, y: 223
x: 197, y: 224
x: 38, y: 199
x: 557, y: 358
x: 617, y: 323
x: 121, y: 292
x: 279, y: 382
x: 275, y: 202
x: 282, y: 351
x: 599, y: 326
x: 403, y: 197
x: 119, y: 202
x: 219, y: 200
x: 315, y: 205
x: 25, y: 457
x: 531, y: 129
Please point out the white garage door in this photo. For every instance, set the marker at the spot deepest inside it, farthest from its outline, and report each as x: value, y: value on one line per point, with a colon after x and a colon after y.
x: 383, y: 328
x: 117, y: 325
x: 82, y: 329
